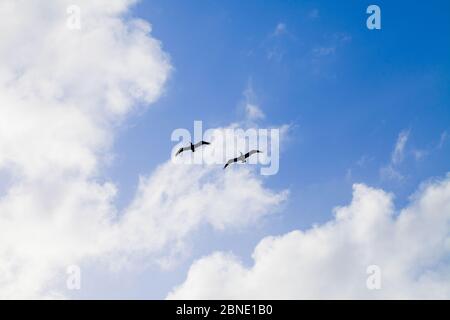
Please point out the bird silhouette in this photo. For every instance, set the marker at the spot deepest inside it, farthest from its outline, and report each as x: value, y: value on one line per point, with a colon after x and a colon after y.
x: 242, y: 157
x: 192, y: 147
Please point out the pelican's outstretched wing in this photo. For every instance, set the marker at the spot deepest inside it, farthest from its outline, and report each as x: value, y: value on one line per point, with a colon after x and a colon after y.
x: 230, y: 162
x: 198, y: 144
x: 181, y: 150
x: 248, y: 154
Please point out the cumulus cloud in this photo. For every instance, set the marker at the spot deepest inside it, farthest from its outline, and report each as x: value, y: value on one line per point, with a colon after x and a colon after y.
x: 63, y: 92
x: 168, y: 206
x: 410, y: 246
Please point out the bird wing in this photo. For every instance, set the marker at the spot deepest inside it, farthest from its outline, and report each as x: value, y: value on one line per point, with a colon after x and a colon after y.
x: 198, y: 144
x: 230, y: 162
x: 248, y: 154
x: 181, y: 150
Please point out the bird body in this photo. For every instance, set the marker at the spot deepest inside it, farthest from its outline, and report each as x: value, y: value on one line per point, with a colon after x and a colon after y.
x: 241, y: 158
x: 192, y: 147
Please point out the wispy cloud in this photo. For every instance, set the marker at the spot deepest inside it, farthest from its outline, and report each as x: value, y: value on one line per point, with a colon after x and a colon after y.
x: 419, y: 154
x: 314, y: 14
x: 390, y: 171
x: 274, y: 48
x: 253, y: 111
x: 332, y: 43
x: 341, y: 37
x: 399, y: 149
x: 327, y: 51
x: 443, y: 139
x: 279, y: 30
x: 324, y: 51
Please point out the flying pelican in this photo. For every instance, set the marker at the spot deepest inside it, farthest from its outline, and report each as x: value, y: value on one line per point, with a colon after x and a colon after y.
x: 242, y: 157
x: 192, y: 147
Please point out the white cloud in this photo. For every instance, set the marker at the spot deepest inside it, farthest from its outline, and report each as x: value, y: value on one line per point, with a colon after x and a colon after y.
x: 62, y: 93
x: 62, y: 90
x: 419, y: 154
x: 443, y: 138
x: 399, y: 149
x: 168, y: 206
x: 324, y: 51
x: 334, y: 42
x: 280, y: 29
x: 331, y: 260
x: 254, y: 112
x: 390, y: 171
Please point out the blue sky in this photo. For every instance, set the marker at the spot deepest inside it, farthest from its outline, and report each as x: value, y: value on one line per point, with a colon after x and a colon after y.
x: 93, y: 206
x: 347, y: 91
